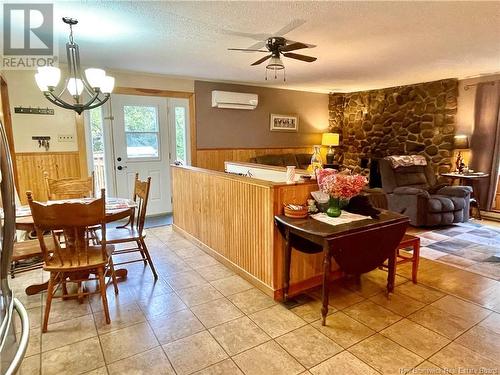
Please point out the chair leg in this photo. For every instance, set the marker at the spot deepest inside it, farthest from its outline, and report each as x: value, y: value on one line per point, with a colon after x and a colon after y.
x: 141, y: 250
x: 50, y: 291
x: 145, y: 249
x: 416, y: 259
x: 102, y: 288
x: 113, y: 275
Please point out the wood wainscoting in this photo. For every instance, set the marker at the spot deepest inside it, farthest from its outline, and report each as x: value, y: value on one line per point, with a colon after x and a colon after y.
x: 32, y: 165
x: 232, y: 218
x: 214, y: 158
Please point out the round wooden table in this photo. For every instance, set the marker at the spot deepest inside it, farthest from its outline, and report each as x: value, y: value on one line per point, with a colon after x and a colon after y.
x: 116, y: 209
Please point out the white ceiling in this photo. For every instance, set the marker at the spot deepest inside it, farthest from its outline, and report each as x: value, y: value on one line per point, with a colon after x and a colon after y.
x: 360, y: 45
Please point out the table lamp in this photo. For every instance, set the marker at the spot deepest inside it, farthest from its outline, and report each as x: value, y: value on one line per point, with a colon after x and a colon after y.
x: 461, y: 143
x: 330, y: 140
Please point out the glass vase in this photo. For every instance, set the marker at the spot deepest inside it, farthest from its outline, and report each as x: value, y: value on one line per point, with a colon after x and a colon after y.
x: 334, y: 207
x: 316, y: 161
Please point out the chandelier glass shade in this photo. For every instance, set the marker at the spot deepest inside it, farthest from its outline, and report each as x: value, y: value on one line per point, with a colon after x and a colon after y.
x: 89, y: 90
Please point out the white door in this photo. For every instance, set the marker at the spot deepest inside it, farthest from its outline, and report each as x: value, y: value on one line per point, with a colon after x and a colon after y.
x: 141, y: 144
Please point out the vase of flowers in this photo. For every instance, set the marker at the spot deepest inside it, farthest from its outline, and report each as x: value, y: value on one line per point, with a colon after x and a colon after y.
x: 339, y: 187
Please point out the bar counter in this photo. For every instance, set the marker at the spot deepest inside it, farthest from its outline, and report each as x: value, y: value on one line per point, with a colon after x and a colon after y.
x: 231, y: 217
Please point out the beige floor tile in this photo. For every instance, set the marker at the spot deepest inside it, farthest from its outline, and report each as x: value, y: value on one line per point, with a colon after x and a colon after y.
x: 340, y: 298
x: 226, y: 367
x: 385, y: 355
x: 239, y: 335
x: 124, y: 297
x: 342, y: 364
x: 68, y: 332
x: 194, y: 353
x: 201, y: 260
x: 147, y: 290
x: 216, y: 312
x: 127, y: 341
x: 121, y: 316
x: 161, y: 305
x: 415, y: 337
x: 62, y: 360
x: 197, y: 295
x: 311, y: 311
x: 65, y: 310
x: 461, y: 308
x: 456, y: 356
x: 34, y: 342
x: 456, y: 260
x: 308, y: 346
x: 251, y: 300
x: 344, y: 330
x: 231, y: 285
x: 98, y: 371
x: 153, y: 361
x: 440, y: 321
x: 277, y: 320
x: 268, y: 358
x: 215, y: 272
x: 35, y: 318
x: 30, y: 366
x: 398, y: 303
x: 177, y: 325
x: 426, y: 367
x: 374, y: 316
x: 189, y: 252
x: 483, y: 341
x: 185, y: 280
x: 419, y: 292
x: 492, y: 322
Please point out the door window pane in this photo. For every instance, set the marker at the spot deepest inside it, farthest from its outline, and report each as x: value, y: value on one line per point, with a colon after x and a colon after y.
x: 141, y: 131
x: 180, y: 134
x: 97, y: 135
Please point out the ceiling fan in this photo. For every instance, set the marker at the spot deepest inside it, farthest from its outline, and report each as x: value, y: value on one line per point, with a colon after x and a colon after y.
x: 277, y: 46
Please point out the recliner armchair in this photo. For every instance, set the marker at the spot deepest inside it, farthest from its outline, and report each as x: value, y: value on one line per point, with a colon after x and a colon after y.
x: 412, y: 191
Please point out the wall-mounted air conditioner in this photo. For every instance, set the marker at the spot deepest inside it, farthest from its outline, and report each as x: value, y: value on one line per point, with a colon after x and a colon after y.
x: 234, y: 100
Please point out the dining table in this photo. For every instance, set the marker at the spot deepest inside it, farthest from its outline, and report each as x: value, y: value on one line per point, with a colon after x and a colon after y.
x: 116, y: 209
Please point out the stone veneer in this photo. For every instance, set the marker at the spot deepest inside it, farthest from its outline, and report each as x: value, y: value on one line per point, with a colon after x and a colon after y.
x: 413, y: 119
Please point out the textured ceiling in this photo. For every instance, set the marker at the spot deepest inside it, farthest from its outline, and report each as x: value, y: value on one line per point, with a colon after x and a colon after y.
x: 360, y: 45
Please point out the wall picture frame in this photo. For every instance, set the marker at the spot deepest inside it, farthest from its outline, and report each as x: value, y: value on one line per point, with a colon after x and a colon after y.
x: 284, y: 123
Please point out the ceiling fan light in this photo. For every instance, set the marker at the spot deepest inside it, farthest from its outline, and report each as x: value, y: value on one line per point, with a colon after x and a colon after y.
x: 75, y: 86
x: 108, y: 84
x: 275, y: 64
x: 49, y: 76
x: 95, y: 77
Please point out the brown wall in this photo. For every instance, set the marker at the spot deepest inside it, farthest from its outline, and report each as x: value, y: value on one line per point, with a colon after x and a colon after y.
x: 231, y: 128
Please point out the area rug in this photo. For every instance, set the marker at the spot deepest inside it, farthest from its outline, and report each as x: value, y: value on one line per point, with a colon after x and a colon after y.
x: 474, y: 246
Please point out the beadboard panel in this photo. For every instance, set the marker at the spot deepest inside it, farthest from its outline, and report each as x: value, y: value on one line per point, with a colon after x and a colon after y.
x: 32, y: 165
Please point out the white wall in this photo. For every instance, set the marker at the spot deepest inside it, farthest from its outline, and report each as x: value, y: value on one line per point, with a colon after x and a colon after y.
x: 23, y: 91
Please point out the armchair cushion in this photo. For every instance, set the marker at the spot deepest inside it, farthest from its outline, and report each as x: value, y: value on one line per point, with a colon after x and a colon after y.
x: 406, y: 190
x: 456, y: 191
x: 442, y: 203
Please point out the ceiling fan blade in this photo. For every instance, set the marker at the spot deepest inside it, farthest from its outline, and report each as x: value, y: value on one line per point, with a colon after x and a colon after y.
x: 297, y: 56
x: 307, y: 44
x: 244, y: 35
x: 293, y: 47
x: 260, y: 61
x: 291, y: 26
x: 247, y: 50
x: 258, y: 45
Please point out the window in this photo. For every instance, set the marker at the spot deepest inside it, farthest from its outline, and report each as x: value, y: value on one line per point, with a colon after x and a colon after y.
x: 180, y: 134
x: 141, y: 131
x: 97, y: 135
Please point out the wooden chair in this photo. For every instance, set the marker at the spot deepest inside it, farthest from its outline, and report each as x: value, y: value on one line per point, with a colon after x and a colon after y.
x: 133, y: 231
x: 74, y: 261
x: 67, y: 188
x: 413, y: 242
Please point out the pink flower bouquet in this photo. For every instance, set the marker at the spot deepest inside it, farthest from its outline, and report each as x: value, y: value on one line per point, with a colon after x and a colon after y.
x: 339, y: 185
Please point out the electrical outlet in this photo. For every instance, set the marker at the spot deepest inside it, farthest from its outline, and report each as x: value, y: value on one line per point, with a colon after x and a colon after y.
x: 65, y: 138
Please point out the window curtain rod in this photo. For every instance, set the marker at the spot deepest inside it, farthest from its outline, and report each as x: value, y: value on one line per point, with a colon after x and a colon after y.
x: 467, y: 87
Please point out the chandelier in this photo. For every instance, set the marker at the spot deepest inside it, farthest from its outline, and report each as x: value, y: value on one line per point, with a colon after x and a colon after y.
x: 96, y: 84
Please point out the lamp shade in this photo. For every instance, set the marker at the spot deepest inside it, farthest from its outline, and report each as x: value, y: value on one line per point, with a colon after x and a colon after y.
x: 330, y: 139
x: 47, y: 76
x: 75, y: 86
x: 95, y: 77
x: 461, y: 142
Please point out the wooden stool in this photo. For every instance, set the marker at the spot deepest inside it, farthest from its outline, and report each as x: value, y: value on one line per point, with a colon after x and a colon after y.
x: 408, y: 241
x: 25, y: 251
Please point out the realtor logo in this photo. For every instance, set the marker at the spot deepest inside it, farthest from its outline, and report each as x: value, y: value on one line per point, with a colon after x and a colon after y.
x: 28, y: 29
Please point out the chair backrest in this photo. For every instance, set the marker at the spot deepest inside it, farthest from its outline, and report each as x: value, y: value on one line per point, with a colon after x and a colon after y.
x: 417, y: 176
x: 68, y: 188
x: 73, y: 219
x: 141, y: 197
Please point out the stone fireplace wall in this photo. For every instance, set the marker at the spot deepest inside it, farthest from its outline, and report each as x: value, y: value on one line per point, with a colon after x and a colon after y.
x: 413, y: 119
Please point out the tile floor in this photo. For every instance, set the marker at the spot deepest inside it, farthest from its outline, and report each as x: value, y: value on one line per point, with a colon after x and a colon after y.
x: 201, y: 318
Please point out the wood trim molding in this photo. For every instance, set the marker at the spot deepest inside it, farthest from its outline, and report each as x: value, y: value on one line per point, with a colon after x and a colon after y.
x: 152, y: 92
x: 256, y: 148
x: 6, y: 117
x: 192, y: 130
